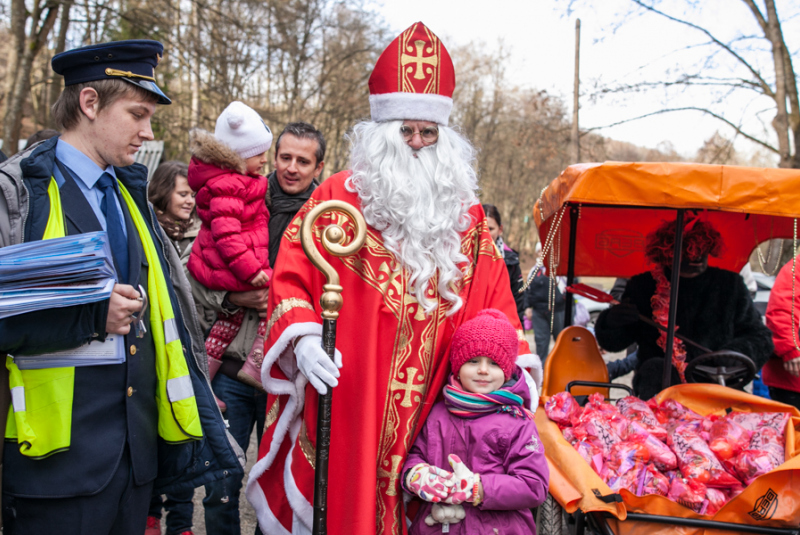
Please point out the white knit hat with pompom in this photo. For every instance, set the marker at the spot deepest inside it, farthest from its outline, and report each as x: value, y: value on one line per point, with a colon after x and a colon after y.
x: 240, y: 127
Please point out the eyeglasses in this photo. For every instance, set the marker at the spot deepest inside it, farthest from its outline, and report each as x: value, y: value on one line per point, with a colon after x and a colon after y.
x: 429, y: 134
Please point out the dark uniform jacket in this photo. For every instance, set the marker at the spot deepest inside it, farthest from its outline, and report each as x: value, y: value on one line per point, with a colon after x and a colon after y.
x: 114, y: 406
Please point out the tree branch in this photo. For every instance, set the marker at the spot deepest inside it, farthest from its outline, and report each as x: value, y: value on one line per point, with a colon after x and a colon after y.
x: 762, y: 83
x: 692, y: 108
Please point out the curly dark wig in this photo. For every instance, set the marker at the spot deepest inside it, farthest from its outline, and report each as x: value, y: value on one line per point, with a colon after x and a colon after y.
x: 699, y: 238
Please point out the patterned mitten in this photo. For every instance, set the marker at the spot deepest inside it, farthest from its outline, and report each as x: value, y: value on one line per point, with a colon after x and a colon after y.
x: 464, y: 481
x: 430, y: 483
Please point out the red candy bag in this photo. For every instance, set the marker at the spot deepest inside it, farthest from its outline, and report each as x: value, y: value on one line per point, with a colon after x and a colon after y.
x: 768, y: 440
x: 593, y: 424
x: 561, y: 408
x: 753, y: 421
x: 592, y: 454
x: 628, y: 479
x: 660, y: 455
x: 687, y: 492
x: 765, y: 452
x: 727, y: 438
x: 714, y: 501
x: 652, y: 482
x: 696, y: 460
x: 597, y: 401
x: 569, y: 435
x: 598, y: 408
x: 750, y: 464
x: 669, y: 409
x: 636, y: 410
x: 625, y: 455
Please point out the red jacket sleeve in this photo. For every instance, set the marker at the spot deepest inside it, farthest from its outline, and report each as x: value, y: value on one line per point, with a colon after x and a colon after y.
x: 779, y: 313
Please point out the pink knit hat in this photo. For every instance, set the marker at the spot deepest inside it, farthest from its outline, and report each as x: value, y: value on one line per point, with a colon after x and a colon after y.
x: 489, y: 334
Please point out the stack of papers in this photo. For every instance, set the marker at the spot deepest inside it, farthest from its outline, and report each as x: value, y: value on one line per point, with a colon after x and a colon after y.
x: 61, y: 272
x: 56, y: 273
x: 91, y: 354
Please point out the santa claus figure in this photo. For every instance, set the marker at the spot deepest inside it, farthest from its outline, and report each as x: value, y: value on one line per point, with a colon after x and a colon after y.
x: 428, y: 265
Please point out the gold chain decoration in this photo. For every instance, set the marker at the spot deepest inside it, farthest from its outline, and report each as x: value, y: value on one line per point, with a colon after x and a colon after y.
x: 547, y: 245
x: 762, y: 262
x: 555, y: 261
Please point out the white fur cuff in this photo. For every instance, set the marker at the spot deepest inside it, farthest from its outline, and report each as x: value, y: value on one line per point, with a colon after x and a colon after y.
x: 532, y: 362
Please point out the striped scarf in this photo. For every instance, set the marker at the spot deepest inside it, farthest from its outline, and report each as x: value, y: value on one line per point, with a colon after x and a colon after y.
x: 472, y: 405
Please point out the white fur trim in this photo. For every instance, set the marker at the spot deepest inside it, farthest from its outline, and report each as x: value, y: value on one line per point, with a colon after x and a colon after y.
x: 410, y: 106
x: 298, y: 528
x: 533, y: 363
x: 533, y: 390
x: 279, y: 386
x: 289, y: 421
x: 266, y: 519
x: 303, y: 510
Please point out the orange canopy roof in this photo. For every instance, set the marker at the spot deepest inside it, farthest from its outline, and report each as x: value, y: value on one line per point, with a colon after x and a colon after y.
x: 620, y: 203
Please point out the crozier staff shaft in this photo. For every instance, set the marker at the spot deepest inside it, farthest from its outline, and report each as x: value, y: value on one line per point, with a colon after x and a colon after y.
x: 333, y: 237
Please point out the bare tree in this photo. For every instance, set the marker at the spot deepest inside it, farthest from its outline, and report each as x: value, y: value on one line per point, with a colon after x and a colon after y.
x: 523, y: 137
x: 24, y: 49
x: 760, y: 64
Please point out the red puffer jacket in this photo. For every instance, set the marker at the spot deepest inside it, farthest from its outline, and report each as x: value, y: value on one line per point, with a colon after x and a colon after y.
x: 232, y: 246
x: 779, y: 320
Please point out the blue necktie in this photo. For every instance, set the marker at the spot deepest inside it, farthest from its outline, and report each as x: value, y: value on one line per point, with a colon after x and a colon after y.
x: 114, y: 222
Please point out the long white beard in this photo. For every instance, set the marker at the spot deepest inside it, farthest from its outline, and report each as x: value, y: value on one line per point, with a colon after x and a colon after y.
x: 418, y: 200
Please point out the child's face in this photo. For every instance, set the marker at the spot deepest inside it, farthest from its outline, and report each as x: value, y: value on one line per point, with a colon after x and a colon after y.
x: 481, y: 375
x: 256, y: 163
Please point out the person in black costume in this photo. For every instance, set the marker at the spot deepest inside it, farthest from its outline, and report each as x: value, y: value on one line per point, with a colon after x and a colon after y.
x: 714, y: 308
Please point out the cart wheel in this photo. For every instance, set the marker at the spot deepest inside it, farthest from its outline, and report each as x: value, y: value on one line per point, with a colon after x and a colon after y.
x: 550, y: 518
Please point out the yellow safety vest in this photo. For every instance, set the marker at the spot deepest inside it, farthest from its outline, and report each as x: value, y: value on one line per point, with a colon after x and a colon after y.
x: 40, y: 418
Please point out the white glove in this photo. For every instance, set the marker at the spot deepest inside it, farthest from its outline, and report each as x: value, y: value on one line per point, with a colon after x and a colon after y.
x: 445, y: 514
x: 315, y: 364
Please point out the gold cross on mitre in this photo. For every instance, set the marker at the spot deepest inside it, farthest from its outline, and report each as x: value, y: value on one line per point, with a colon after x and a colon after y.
x: 419, y: 60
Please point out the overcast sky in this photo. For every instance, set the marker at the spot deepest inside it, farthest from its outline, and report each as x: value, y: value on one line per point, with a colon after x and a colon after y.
x: 541, y: 38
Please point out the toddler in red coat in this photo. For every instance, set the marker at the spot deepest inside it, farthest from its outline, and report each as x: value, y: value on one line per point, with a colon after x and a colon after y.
x: 231, y: 252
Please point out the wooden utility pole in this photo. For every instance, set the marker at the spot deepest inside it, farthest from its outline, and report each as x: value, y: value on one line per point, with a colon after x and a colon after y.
x: 576, y: 139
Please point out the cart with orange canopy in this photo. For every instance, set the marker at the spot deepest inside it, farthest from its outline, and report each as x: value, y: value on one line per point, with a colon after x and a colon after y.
x: 593, y: 220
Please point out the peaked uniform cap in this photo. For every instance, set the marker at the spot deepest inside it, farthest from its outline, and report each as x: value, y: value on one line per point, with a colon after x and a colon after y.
x: 134, y: 61
x: 413, y: 79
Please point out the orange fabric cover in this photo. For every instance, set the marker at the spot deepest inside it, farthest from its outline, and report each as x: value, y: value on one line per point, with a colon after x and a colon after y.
x: 747, y: 205
x: 771, y: 500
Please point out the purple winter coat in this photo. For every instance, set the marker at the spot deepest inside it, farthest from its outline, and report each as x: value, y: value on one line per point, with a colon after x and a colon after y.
x: 504, y: 450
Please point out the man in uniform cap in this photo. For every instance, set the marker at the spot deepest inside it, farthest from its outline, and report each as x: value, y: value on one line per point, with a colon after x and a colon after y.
x: 88, y: 461
x: 429, y: 264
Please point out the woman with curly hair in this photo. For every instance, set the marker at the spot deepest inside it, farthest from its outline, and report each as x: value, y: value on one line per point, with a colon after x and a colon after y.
x: 714, y: 308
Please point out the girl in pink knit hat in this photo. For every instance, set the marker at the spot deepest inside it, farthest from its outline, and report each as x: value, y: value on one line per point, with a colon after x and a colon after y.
x: 478, y: 462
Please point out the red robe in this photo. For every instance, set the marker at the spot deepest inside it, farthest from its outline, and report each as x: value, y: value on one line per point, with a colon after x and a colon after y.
x: 395, y: 365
